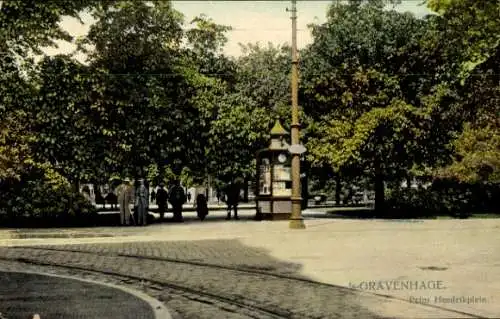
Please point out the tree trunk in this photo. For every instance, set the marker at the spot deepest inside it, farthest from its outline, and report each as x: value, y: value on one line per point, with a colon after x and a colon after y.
x: 338, y: 189
x: 75, y: 185
x: 379, y: 191
x: 207, y: 188
x: 408, y: 182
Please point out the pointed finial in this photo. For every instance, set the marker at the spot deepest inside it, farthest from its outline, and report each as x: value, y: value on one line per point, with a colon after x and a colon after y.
x: 278, y: 129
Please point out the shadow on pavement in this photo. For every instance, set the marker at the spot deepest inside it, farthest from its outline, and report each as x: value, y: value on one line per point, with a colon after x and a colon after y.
x: 305, y: 299
x: 357, y: 213
x: 22, y: 295
x: 368, y: 213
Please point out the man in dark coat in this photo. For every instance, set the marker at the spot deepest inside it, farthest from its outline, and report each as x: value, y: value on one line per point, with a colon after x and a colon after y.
x: 142, y: 203
x: 232, y: 198
x: 161, y: 200
x: 177, y: 198
x: 112, y: 199
x: 201, y: 206
x: 153, y: 196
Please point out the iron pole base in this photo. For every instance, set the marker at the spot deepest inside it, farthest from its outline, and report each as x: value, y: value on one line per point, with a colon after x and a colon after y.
x: 296, y: 219
x: 297, y: 223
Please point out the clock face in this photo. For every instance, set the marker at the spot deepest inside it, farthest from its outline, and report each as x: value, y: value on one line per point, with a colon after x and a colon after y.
x: 282, y: 158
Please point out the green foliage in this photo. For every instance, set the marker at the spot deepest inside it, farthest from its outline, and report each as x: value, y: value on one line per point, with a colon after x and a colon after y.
x: 207, y: 36
x: 186, y: 177
x: 446, y: 197
x: 152, y: 173
x: 236, y: 116
x: 29, y: 25
x: 476, y: 148
x: 379, y: 93
x: 478, y: 156
x: 240, y: 119
x: 359, y: 88
x: 67, y: 126
x: 14, y: 142
x: 414, y: 203
x: 31, y: 184
x: 205, y: 41
x: 145, y: 91
x: 36, y: 200
x: 238, y: 131
x: 264, y: 75
x: 471, y: 30
x: 132, y: 31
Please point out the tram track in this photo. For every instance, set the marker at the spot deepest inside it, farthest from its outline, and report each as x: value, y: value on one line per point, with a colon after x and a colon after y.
x: 225, y: 304
x: 251, y: 291
x: 244, y: 269
x: 240, y: 272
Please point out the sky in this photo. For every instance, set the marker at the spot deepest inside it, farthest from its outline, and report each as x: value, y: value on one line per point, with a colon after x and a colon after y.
x: 252, y: 21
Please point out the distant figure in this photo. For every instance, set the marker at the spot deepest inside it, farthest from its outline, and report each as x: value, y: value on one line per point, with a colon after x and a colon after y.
x: 86, y: 193
x: 189, y: 197
x: 125, y: 198
x: 99, y: 199
x: 218, y: 196
x: 153, y: 196
x: 177, y: 198
x: 201, y: 206
x: 161, y: 200
x: 112, y: 199
x: 142, y: 203
x: 232, y: 199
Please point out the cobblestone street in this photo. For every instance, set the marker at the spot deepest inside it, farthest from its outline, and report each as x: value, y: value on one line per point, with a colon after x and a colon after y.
x: 249, y: 159
x: 243, y: 269
x: 222, y: 268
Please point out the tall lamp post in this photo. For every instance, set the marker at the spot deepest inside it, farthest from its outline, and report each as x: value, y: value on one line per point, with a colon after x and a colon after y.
x: 296, y: 220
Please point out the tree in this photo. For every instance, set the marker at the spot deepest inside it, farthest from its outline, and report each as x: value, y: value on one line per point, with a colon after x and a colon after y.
x: 210, y: 75
x: 360, y: 86
x: 26, y: 27
x: 241, y: 117
x: 477, y: 147
x: 471, y: 30
x: 239, y: 130
x: 30, y: 25
x: 234, y: 114
x: 67, y: 127
x: 264, y: 76
x: 29, y: 184
x: 14, y: 142
x: 206, y: 39
x: 146, y: 93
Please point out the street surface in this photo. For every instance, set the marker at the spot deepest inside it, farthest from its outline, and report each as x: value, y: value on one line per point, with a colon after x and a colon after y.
x: 25, y: 295
x: 248, y: 269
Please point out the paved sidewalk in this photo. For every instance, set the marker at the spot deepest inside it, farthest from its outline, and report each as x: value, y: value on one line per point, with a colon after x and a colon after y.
x: 450, y: 260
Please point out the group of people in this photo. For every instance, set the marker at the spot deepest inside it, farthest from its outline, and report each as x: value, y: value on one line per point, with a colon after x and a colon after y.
x: 139, y: 197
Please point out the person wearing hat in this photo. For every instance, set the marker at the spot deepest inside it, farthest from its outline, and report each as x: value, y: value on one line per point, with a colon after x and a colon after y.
x: 142, y: 203
x: 233, y: 197
x: 177, y: 198
x: 161, y: 200
x: 125, y: 197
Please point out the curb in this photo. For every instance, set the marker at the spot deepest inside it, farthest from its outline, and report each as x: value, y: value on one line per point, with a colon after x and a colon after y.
x: 160, y: 311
